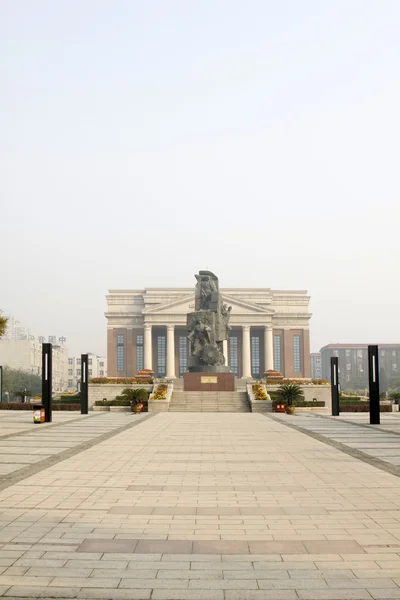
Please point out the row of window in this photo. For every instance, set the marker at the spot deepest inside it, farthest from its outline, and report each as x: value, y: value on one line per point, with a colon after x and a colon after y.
x: 360, y: 353
x: 78, y: 362
x: 233, y: 354
x: 78, y: 373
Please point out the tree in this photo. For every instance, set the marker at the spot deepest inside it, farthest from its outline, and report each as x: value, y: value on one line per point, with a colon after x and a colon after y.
x: 3, y: 324
x: 15, y: 381
x: 383, y: 382
x: 290, y: 393
x: 395, y: 383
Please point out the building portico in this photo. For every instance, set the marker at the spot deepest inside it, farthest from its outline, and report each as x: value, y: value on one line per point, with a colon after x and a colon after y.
x: 147, y: 329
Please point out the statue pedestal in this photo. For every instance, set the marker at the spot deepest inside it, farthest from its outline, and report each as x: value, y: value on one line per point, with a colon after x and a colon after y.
x: 209, y: 382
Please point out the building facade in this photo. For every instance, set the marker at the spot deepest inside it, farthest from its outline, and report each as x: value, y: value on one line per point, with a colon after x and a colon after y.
x: 97, y: 367
x: 316, y: 368
x: 353, y: 363
x: 19, y: 349
x: 26, y: 354
x: 147, y: 329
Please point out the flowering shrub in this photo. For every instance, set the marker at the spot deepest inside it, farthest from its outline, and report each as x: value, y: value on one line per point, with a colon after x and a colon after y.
x: 160, y: 392
x: 258, y: 391
x: 121, y: 380
x: 272, y: 381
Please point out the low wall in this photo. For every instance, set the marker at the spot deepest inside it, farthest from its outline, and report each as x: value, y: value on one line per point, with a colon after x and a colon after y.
x: 321, y: 393
x: 258, y: 406
x: 161, y: 405
x: 109, y: 391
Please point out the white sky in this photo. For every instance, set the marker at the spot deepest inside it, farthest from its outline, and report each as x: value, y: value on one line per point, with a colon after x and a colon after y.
x: 143, y: 141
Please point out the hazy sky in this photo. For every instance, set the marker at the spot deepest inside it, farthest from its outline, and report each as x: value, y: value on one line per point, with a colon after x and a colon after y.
x: 143, y: 141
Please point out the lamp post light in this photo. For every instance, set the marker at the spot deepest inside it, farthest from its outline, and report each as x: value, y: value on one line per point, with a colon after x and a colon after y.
x: 1, y: 383
x: 373, y: 375
x: 335, y: 385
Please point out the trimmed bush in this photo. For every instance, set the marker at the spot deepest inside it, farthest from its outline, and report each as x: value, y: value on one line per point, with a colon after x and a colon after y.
x: 123, y: 380
x: 28, y: 406
x: 16, y: 406
x: 302, y: 403
x: 65, y: 399
x: 364, y: 408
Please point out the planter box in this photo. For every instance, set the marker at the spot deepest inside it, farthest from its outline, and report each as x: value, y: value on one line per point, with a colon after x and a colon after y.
x: 101, y: 408
x: 120, y: 409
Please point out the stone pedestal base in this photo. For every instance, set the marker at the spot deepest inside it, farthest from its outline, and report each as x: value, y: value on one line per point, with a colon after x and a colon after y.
x: 209, y: 382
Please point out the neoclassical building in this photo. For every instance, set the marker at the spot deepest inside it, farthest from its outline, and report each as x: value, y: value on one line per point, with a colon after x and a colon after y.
x: 147, y: 329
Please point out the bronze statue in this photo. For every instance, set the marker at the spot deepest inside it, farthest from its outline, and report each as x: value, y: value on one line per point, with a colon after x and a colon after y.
x: 208, y: 326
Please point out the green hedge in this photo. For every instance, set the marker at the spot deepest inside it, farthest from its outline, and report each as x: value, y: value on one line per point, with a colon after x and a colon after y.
x: 351, y: 400
x: 362, y: 408
x: 28, y: 406
x: 302, y: 403
x: 116, y: 402
x: 67, y: 399
x: 16, y: 406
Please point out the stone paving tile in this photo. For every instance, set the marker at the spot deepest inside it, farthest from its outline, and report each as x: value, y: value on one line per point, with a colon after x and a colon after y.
x: 253, y: 509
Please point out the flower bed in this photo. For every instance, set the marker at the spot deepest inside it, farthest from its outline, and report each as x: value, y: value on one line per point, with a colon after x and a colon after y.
x: 123, y: 380
x: 259, y: 392
x: 160, y: 392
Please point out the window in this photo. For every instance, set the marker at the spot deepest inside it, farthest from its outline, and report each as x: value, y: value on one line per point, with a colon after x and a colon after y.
x: 78, y: 373
x: 296, y: 354
x: 382, y: 353
x: 90, y: 361
x: 70, y: 382
x: 336, y: 353
x: 161, y: 355
x: 101, y: 373
x: 182, y: 355
x: 70, y: 372
x: 233, y: 355
x: 90, y: 372
x: 394, y: 367
x: 101, y: 364
x: 70, y: 361
x: 348, y: 352
x: 78, y: 361
x: 255, y: 357
x: 394, y: 353
x: 120, y: 353
x: 359, y: 353
x: 348, y: 367
x: 277, y: 353
x: 139, y: 353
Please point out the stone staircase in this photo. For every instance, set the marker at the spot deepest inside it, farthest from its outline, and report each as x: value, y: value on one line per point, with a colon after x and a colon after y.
x: 209, y: 402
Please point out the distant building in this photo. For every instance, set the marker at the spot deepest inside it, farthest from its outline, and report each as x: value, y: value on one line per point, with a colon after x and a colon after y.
x: 97, y: 368
x: 316, y: 370
x: 27, y: 356
x: 19, y: 349
x: 353, y: 362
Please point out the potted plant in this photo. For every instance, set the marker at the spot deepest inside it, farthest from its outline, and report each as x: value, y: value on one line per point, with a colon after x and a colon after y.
x: 289, y: 394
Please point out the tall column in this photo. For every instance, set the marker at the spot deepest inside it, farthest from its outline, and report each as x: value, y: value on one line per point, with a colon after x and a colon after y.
x: 147, y: 346
x: 269, y: 348
x: 246, y: 356
x: 225, y: 351
x: 170, y: 350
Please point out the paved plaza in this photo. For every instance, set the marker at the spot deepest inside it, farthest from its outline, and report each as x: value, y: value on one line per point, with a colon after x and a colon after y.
x: 199, y: 506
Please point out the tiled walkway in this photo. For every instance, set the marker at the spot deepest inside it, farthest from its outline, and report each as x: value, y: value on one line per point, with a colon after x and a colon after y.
x: 203, y: 507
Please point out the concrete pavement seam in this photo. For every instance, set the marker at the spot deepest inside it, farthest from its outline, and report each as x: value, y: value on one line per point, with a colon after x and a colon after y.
x: 375, y: 462
x: 30, y: 470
